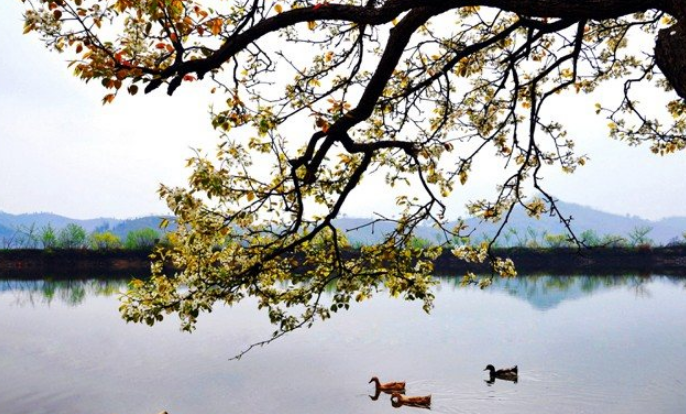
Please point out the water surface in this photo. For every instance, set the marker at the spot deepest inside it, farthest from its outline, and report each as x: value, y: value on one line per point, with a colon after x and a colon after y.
x: 583, y: 345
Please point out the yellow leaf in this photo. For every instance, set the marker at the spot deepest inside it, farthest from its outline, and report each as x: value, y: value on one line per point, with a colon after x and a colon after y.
x: 251, y: 196
x: 278, y: 8
x: 311, y: 25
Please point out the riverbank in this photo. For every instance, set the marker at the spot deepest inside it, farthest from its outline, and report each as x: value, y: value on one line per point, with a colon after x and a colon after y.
x: 36, y: 264
x: 568, y: 261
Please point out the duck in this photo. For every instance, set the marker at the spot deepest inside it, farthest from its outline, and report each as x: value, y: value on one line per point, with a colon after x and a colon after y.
x: 506, y: 374
x: 388, y: 387
x: 398, y: 400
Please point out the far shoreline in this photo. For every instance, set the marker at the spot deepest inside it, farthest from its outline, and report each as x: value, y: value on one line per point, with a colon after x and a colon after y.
x: 83, y: 263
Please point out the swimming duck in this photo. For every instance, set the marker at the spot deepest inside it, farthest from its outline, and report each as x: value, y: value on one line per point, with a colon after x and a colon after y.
x: 398, y: 400
x: 388, y: 387
x: 507, y: 374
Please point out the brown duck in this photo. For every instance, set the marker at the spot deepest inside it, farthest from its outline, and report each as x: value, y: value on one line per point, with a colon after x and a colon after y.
x: 388, y: 387
x: 506, y: 374
x: 398, y: 400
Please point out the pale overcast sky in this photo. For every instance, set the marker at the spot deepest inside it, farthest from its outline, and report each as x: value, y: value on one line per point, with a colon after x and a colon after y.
x: 62, y: 151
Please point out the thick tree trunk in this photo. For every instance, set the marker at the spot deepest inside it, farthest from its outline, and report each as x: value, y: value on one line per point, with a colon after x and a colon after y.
x: 670, y: 49
x: 670, y: 56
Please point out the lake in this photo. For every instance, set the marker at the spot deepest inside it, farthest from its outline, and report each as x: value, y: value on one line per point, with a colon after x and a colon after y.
x: 582, y: 344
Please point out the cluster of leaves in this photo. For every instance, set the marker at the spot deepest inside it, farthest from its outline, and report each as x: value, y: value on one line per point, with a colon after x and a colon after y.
x: 415, y: 90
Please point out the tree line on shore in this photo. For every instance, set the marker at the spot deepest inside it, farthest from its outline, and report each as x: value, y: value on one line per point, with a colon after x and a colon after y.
x: 532, y: 238
x: 74, y: 236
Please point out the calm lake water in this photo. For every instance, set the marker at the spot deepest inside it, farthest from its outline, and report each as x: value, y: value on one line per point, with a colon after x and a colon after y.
x: 583, y: 345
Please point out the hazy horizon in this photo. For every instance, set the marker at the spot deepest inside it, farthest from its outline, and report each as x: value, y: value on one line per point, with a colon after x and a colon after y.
x: 343, y: 215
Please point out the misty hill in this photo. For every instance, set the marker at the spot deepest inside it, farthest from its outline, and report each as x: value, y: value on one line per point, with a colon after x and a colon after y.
x: 584, y: 218
x: 5, y: 232
x: 13, y: 225
x: 16, y: 221
x: 153, y: 222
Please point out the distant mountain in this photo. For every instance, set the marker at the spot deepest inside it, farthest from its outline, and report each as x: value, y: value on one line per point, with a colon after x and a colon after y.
x: 586, y: 218
x: 5, y: 232
x: 153, y: 222
x: 15, y: 221
x: 365, y: 231
x: 583, y: 218
x: 360, y: 230
x: 12, y: 225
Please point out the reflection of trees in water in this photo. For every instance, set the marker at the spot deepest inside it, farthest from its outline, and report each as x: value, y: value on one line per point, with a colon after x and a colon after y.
x: 532, y: 288
x: 547, y: 291
x: 69, y: 292
x: 586, y: 284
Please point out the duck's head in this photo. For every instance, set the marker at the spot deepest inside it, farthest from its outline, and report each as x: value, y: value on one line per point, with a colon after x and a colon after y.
x: 489, y: 367
x: 395, y: 400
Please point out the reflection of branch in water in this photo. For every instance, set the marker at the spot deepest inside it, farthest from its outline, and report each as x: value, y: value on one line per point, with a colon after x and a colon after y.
x: 70, y: 292
x: 642, y: 291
